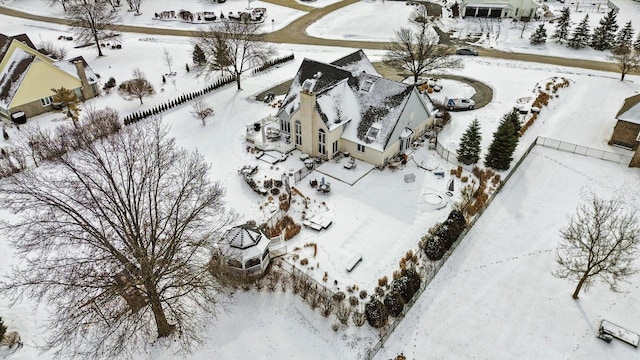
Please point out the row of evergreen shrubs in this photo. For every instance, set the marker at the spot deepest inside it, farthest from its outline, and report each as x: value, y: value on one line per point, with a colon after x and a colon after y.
x: 445, y: 235
x: 135, y: 117
x: 274, y: 62
x: 402, y: 291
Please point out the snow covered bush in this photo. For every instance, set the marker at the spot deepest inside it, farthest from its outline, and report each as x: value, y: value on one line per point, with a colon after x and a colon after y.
x: 358, y: 318
x: 414, y: 279
x: 394, y: 303
x: 434, y: 247
x: 343, y: 313
x: 402, y: 287
x: 376, y: 313
x: 3, y: 329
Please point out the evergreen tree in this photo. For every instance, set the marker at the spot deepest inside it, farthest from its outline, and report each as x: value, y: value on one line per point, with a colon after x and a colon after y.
x: 469, y: 150
x: 199, y: 58
x: 580, y: 36
x: 514, y: 117
x: 539, y: 36
x: 624, y: 38
x: 636, y: 44
x: 69, y: 100
x: 604, y: 36
x: 3, y: 329
x: 562, y: 28
x: 502, y: 147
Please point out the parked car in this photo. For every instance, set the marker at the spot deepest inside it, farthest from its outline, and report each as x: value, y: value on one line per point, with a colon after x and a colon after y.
x: 459, y: 103
x: 466, y: 51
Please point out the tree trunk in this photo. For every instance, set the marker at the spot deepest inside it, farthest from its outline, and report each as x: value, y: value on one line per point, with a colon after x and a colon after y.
x: 238, y: 81
x: 95, y: 38
x: 140, y: 98
x: 164, y: 328
x: 580, y: 283
x: 415, y: 78
x: 622, y: 76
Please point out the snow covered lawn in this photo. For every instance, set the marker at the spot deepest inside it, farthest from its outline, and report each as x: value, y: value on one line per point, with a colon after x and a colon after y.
x: 496, y: 298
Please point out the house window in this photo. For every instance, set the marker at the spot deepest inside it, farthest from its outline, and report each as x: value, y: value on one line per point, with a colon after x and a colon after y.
x: 322, y: 138
x: 285, y: 126
x: 366, y: 86
x: 298, y: 133
x: 405, y: 143
x: 46, y: 101
x: 234, y: 263
x: 361, y: 148
x: 335, y: 147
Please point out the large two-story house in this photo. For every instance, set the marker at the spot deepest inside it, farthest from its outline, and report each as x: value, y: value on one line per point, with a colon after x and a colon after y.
x: 27, y: 77
x: 346, y: 106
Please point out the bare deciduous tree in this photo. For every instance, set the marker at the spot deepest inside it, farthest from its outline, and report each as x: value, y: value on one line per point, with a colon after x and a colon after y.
x: 136, y: 88
x: 236, y: 43
x: 90, y: 20
x: 56, y: 52
x: 418, y: 52
x: 167, y: 59
x: 202, y: 110
x: 599, y: 242
x: 61, y: 2
x: 116, y: 239
x: 627, y: 59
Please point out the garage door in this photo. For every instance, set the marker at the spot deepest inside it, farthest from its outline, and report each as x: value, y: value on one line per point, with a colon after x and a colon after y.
x: 483, y: 13
x: 495, y: 13
x: 470, y: 11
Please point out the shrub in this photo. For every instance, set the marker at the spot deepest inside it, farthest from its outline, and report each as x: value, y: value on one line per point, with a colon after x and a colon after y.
x: 343, y: 313
x: 376, y: 313
x: 394, y: 303
x: 434, y: 248
x: 353, y: 300
x: 413, y: 278
x: 402, y: 287
x: 383, y: 281
x: 363, y: 294
x: 3, y: 329
x: 304, y: 261
x: 339, y: 296
x: 358, y: 318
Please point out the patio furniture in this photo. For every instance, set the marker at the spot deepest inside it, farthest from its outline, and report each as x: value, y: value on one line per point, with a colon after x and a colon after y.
x: 351, y: 164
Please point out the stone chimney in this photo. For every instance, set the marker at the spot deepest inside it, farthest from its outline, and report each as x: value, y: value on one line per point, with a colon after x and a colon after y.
x: 87, y: 92
x: 307, y: 104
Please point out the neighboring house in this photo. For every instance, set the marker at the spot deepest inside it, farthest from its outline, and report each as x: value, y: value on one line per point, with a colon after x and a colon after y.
x: 626, y: 133
x: 27, y: 77
x: 346, y: 106
x: 516, y: 9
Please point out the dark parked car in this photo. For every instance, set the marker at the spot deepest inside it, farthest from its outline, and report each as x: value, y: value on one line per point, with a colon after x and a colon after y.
x: 466, y: 51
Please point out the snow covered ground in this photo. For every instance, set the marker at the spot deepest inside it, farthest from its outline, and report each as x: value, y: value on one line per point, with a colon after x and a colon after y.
x: 390, y: 215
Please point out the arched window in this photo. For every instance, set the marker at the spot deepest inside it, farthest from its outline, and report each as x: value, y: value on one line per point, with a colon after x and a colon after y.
x: 322, y: 138
x: 298, y: 133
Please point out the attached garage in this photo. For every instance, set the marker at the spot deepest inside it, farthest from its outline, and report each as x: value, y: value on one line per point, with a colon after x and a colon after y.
x: 498, y: 8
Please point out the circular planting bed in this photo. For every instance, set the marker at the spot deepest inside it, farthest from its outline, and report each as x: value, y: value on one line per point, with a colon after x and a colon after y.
x: 435, y: 200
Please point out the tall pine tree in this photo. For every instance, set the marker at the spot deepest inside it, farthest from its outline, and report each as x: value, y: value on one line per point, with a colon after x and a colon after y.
x: 539, y: 36
x: 199, y: 58
x: 504, y: 143
x: 469, y: 150
x: 636, y: 44
x: 561, y: 33
x: 580, y: 36
x: 624, y: 37
x: 514, y: 117
x: 604, y: 36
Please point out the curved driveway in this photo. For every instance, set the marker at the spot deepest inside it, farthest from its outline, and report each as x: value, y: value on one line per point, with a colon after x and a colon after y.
x: 295, y: 33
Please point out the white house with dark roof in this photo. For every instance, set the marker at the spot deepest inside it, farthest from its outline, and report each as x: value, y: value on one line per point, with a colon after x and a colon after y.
x: 516, y: 9
x: 346, y: 106
x: 27, y: 77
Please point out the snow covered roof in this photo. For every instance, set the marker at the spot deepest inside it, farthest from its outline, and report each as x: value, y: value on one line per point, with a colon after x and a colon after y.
x: 69, y: 67
x: 5, y: 42
x: 244, y: 242
x: 243, y: 236
x: 630, y: 110
x: 355, y: 97
x: 12, y: 74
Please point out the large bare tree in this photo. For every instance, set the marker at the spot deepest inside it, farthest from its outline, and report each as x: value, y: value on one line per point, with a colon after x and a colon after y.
x: 599, y: 242
x: 115, y: 236
x: 90, y: 20
x: 237, y: 45
x: 418, y: 52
